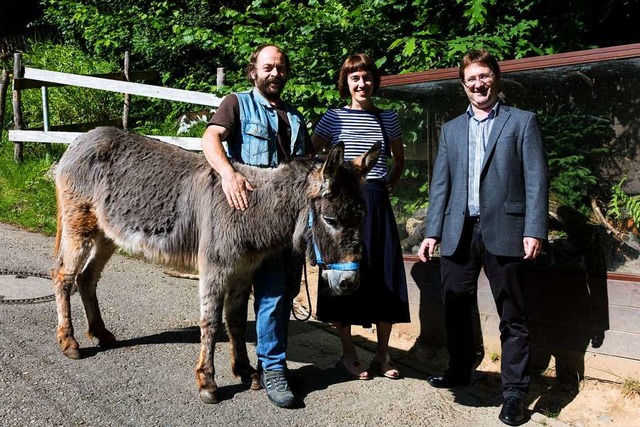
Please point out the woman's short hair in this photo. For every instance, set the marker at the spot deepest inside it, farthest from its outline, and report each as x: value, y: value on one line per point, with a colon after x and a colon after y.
x: 254, y: 58
x: 357, y: 62
x: 480, y: 56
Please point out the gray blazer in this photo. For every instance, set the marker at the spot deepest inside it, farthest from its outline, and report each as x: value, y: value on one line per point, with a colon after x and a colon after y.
x: 514, y: 184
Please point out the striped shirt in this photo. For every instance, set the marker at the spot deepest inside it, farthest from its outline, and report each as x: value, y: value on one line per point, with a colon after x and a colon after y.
x: 359, y: 130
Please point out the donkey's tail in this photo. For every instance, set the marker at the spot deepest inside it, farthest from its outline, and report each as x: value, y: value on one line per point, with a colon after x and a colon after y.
x: 56, y: 246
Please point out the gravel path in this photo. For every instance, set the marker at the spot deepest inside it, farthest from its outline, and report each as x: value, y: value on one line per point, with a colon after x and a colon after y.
x: 149, y: 379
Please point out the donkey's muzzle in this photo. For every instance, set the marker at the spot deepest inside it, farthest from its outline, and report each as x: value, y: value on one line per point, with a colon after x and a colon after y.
x: 341, y: 282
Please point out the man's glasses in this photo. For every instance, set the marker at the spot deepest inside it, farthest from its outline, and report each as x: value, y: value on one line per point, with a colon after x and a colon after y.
x: 484, y: 78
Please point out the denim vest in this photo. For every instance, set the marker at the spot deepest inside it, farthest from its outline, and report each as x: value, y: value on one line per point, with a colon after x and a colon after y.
x: 256, y: 143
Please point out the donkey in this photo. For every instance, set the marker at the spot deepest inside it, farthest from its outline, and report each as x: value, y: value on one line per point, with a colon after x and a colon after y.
x: 115, y: 188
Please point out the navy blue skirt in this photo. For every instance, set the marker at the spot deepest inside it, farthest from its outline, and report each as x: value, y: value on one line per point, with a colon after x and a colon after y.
x: 382, y: 295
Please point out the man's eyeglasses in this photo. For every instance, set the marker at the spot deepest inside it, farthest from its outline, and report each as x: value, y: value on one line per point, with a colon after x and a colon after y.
x: 484, y: 78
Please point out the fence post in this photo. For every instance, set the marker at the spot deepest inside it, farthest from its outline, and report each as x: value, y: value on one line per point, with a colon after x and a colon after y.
x: 18, y: 74
x: 45, y: 115
x: 4, y: 83
x: 127, y: 97
x: 45, y: 108
x: 220, y: 76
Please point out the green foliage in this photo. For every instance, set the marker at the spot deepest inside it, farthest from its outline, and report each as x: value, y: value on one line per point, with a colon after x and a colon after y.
x: 576, y: 143
x: 28, y: 195
x: 443, y: 31
x: 68, y: 105
x: 412, y: 191
x: 406, y: 200
x: 185, y: 40
x: 317, y: 37
x: 622, y: 206
x: 572, y: 181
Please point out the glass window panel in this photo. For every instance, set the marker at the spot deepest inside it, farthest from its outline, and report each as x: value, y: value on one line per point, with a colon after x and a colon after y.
x: 590, y: 120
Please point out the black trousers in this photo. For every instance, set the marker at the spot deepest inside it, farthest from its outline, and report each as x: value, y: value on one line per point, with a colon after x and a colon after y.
x: 460, y: 285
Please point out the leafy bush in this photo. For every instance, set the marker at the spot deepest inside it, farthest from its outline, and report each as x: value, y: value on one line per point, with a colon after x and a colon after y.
x: 68, y: 105
x: 576, y: 145
x: 187, y: 39
x: 622, y: 207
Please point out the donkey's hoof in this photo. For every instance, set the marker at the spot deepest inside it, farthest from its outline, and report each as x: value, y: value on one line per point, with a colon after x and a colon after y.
x: 72, y: 353
x: 208, y: 396
x: 251, y: 380
x: 108, y: 342
x: 255, y: 382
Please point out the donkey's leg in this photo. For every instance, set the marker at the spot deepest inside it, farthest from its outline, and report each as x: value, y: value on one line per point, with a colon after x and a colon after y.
x: 62, y: 284
x: 76, y: 228
x: 235, y: 305
x: 87, y: 282
x: 211, y: 288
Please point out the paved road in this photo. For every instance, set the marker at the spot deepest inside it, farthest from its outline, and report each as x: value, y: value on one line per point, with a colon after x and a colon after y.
x: 149, y: 380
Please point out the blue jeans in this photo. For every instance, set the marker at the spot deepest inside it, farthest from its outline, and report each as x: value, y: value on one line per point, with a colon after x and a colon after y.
x: 272, y: 305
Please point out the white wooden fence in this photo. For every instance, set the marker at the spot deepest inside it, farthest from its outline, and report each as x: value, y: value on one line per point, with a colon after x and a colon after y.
x: 32, y: 77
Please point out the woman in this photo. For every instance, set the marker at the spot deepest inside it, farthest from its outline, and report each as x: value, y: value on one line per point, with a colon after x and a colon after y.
x: 382, y: 295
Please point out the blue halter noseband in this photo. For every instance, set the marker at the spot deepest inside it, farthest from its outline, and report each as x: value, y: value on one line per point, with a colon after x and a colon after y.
x: 343, y: 266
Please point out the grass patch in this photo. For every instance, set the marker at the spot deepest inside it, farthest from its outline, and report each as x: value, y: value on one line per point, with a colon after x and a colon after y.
x: 550, y: 412
x: 631, y: 387
x: 27, y: 191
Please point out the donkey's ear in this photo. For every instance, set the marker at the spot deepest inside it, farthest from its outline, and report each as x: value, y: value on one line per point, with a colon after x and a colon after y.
x: 331, y: 166
x: 366, y: 161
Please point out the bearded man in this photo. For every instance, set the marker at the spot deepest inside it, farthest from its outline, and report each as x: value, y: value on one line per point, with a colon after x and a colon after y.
x: 262, y: 130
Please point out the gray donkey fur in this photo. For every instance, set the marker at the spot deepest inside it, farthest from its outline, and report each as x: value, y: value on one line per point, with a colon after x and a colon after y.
x: 121, y: 189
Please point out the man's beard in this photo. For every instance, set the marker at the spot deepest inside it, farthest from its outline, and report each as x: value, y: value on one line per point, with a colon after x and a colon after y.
x: 271, y: 92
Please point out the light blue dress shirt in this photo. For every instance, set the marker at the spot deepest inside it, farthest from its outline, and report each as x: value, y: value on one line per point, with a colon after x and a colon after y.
x: 479, y: 131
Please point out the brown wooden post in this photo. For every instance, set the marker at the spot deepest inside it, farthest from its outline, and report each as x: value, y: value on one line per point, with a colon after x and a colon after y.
x: 127, y: 97
x: 4, y: 84
x: 18, y: 74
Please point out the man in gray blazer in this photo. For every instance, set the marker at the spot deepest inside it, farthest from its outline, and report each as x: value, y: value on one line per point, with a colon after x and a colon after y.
x: 488, y: 208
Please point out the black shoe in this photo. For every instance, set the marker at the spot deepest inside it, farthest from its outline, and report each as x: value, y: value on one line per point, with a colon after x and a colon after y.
x: 448, y: 381
x: 277, y: 387
x: 512, y: 412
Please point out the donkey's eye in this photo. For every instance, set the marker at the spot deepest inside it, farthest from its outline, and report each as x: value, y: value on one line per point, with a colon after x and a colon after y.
x: 330, y: 220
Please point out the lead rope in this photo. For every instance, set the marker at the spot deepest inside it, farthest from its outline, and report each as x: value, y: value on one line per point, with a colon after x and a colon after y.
x: 306, y: 287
